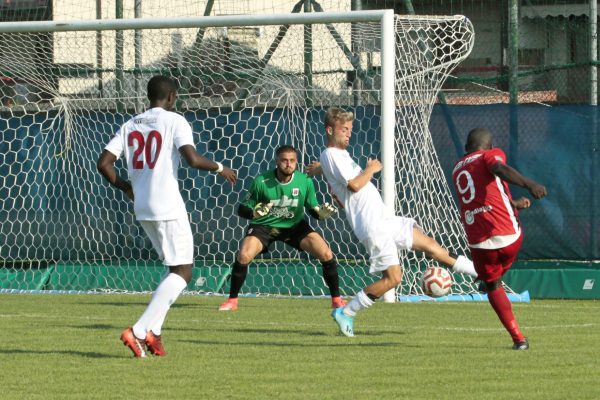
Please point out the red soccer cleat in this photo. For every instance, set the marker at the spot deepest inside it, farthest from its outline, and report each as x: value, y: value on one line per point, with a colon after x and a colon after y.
x: 229, y: 305
x: 337, y: 302
x: 154, y: 345
x: 138, y: 346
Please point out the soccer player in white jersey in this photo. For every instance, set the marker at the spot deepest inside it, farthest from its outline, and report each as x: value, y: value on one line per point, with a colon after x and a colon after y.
x: 153, y: 143
x: 381, y: 232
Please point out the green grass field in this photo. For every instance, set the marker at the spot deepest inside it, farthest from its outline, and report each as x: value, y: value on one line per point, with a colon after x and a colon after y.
x: 67, y: 347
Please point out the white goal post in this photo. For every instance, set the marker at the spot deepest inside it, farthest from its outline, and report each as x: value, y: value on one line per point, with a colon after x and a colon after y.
x: 248, y: 84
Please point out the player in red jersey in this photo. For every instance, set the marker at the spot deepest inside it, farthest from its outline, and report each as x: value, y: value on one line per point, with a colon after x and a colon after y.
x: 489, y: 215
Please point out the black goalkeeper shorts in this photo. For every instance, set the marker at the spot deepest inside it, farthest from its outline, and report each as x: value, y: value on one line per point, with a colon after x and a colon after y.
x: 290, y: 236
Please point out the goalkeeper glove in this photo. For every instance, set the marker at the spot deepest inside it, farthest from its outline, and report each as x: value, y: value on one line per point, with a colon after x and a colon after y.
x: 260, y: 210
x: 325, y: 211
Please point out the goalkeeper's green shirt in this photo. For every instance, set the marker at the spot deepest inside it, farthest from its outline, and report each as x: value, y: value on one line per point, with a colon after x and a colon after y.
x: 289, y: 199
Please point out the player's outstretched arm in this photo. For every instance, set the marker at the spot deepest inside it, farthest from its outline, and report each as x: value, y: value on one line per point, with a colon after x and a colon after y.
x: 511, y: 175
x: 314, y: 169
x: 106, y: 167
x: 198, y: 161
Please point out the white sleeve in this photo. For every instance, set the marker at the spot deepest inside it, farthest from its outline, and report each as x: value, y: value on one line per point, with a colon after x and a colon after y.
x: 337, y: 168
x: 183, y: 133
x: 115, y: 146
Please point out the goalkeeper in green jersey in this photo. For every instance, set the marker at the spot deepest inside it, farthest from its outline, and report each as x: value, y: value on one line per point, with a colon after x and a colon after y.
x: 275, y: 207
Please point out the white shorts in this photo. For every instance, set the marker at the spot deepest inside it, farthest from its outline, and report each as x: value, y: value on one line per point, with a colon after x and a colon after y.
x: 384, y: 241
x: 172, y: 240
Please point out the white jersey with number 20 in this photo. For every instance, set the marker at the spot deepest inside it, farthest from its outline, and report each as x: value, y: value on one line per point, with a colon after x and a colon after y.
x: 150, y: 142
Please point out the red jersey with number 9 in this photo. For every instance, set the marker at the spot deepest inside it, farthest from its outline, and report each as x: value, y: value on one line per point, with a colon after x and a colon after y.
x: 485, y: 200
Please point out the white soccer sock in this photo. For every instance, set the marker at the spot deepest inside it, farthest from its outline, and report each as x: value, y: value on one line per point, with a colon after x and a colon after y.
x: 359, y: 302
x: 464, y: 266
x: 166, y: 293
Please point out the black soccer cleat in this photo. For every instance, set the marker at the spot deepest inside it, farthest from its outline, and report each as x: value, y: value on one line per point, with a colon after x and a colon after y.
x: 481, y: 286
x: 522, y: 345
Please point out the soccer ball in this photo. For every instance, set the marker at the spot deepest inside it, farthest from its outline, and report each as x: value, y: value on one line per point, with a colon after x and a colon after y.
x: 436, y: 282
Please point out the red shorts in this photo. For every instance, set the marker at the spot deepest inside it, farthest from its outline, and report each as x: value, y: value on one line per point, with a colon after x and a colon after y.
x: 491, y: 264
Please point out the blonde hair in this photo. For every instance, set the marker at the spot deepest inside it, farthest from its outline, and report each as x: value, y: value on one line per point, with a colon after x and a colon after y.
x: 335, y: 114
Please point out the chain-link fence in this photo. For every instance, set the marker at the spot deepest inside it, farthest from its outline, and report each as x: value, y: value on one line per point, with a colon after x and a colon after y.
x: 526, y: 51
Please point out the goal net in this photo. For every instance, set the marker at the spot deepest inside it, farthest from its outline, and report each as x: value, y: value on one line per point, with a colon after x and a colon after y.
x: 246, y: 87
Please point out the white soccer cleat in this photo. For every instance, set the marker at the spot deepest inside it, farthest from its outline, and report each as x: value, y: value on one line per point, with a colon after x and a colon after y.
x: 464, y: 266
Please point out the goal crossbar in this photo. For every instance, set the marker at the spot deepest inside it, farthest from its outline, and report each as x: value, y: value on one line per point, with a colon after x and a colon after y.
x: 195, y: 22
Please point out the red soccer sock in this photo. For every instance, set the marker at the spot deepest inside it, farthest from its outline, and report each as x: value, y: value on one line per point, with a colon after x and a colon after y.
x: 501, y: 305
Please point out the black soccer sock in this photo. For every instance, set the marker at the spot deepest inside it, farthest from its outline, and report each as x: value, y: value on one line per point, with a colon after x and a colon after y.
x: 238, y: 276
x: 331, y: 277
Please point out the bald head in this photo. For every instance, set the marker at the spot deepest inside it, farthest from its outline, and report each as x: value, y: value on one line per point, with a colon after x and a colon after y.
x: 478, y: 139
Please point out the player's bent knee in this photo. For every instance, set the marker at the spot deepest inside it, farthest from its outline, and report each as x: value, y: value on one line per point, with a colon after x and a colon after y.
x: 388, y: 283
x: 393, y: 278
x: 245, y: 258
x: 325, y: 255
x: 185, y: 271
x: 491, y: 286
x: 247, y: 253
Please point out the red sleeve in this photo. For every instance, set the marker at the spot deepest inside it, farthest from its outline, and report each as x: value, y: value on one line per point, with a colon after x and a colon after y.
x: 493, y: 157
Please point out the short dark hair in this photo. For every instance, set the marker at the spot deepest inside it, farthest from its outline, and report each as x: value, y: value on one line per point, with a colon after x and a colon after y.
x: 285, y: 149
x: 159, y: 87
x: 478, y: 139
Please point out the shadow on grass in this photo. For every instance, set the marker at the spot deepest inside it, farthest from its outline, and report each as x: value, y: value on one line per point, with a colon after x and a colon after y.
x: 283, y: 331
x: 85, y: 354
x: 116, y: 304
x: 263, y: 331
x: 145, y: 303
x: 249, y: 343
x: 100, y: 327
x: 210, y: 306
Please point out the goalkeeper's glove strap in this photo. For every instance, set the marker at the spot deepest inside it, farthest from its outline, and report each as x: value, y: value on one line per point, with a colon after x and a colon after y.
x: 245, y: 212
x: 313, y: 213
